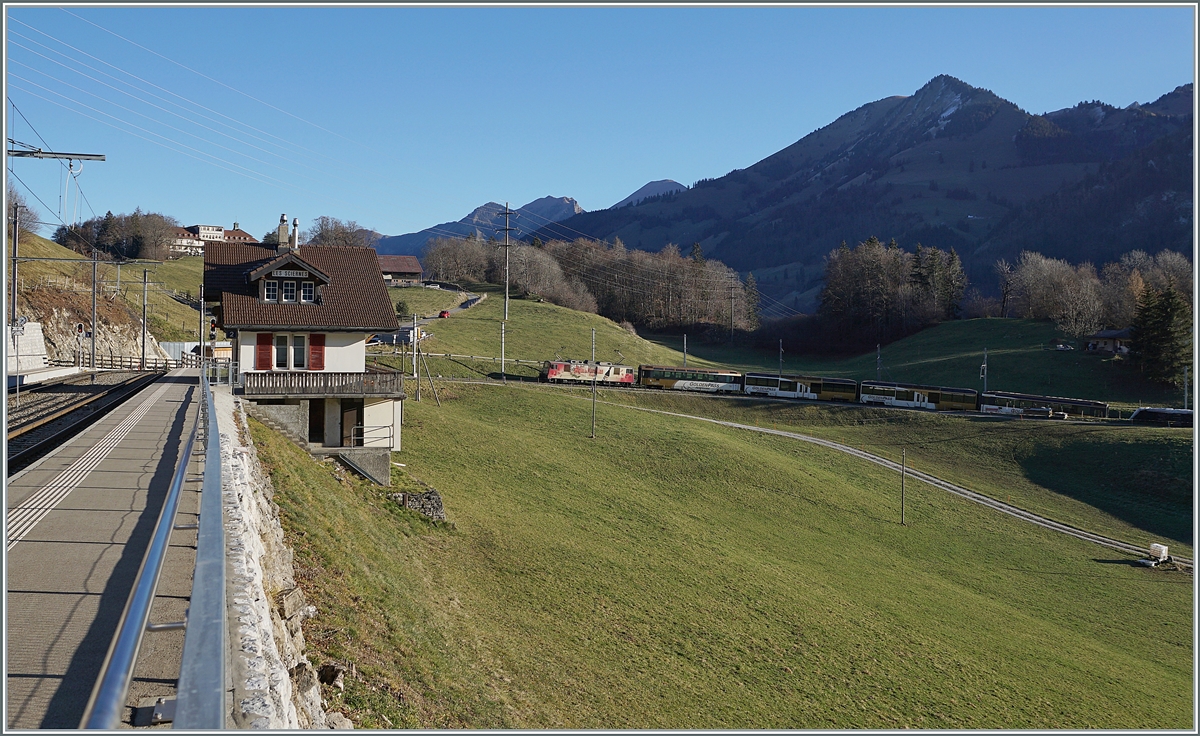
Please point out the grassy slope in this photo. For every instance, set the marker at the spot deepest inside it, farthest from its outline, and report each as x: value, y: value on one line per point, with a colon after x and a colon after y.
x: 424, y: 302
x: 1131, y: 483
x: 697, y: 576
x: 950, y: 354
x: 168, y: 319
x: 535, y: 331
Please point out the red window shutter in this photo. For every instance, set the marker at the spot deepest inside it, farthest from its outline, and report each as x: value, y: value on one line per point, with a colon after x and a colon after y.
x: 262, y: 351
x: 316, y: 352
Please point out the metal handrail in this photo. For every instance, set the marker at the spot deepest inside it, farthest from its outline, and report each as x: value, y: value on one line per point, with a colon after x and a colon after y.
x: 107, y: 701
x: 200, y: 696
x: 360, y: 434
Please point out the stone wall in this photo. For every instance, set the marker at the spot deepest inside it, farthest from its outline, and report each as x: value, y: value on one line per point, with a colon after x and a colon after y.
x: 428, y: 503
x: 274, y: 684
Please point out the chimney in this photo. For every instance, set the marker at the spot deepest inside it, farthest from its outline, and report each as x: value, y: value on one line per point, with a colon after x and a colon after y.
x: 295, y: 242
x: 282, y: 245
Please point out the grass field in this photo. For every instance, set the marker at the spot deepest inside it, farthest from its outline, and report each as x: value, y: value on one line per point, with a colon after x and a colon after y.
x: 535, y: 331
x: 677, y: 574
x: 1128, y: 482
x: 1020, y: 354
x: 424, y: 302
x: 167, y: 318
x: 1020, y: 358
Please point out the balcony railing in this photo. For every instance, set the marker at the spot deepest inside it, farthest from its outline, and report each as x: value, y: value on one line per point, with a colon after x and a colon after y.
x: 322, y: 383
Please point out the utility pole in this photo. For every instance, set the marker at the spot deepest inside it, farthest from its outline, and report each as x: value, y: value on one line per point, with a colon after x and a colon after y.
x: 685, y: 350
x: 12, y: 312
x: 506, y: 229
x: 503, y: 375
x: 144, y: 283
x: 412, y: 340
x: 781, y: 361
x: 595, y: 369
x: 731, y: 292
x: 94, y: 265
x: 200, y: 334
x: 983, y: 370
x: 902, y: 473
x: 1185, y: 379
x: 878, y: 363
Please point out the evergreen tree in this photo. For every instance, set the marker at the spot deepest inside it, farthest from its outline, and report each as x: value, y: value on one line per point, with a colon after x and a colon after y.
x: 697, y: 253
x: 1161, y: 335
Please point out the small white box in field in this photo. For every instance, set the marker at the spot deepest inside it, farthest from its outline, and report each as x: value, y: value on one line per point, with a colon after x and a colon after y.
x: 1158, y: 552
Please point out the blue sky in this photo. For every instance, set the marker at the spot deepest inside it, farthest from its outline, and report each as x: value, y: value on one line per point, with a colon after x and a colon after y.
x: 404, y: 117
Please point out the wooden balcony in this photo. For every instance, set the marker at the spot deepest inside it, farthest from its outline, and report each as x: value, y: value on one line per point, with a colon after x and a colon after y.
x: 315, y: 384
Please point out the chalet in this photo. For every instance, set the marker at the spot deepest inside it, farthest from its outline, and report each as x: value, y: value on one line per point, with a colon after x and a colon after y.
x: 185, y: 243
x: 299, y: 318
x: 1109, y: 341
x: 400, y: 270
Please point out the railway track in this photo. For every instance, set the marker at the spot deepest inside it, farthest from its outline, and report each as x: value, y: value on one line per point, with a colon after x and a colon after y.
x: 47, y: 415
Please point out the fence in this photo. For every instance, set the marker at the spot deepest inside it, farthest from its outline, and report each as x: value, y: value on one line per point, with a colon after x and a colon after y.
x: 83, y: 359
x: 320, y: 383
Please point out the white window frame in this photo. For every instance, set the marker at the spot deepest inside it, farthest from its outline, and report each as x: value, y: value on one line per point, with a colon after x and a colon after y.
x: 268, y: 288
x: 288, y: 286
x: 285, y: 346
x: 299, y: 353
x: 308, y: 291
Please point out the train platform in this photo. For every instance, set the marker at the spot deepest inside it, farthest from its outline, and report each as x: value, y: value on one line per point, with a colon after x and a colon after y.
x: 41, y: 375
x: 78, y: 522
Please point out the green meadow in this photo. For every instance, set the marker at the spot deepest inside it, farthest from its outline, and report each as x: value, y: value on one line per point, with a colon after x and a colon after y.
x: 673, y: 573
x: 677, y: 574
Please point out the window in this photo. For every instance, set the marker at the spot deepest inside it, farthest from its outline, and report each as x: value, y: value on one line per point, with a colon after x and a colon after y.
x: 271, y: 292
x: 289, y: 291
x: 281, y: 351
x: 307, y: 291
x: 299, y: 352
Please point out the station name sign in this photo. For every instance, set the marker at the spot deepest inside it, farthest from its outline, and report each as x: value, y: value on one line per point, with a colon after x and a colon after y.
x: 290, y: 274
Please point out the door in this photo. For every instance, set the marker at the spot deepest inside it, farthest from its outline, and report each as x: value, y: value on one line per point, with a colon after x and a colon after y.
x: 352, y: 419
x: 316, y: 421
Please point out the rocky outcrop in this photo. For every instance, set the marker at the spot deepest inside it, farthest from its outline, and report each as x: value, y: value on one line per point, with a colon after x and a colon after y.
x: 118, y: 332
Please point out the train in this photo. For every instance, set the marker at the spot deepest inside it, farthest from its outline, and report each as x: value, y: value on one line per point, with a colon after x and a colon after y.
x: 822, y: 388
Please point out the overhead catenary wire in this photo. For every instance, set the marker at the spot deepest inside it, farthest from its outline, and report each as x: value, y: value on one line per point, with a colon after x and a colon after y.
x: 48, y: 146
x: 191, y: 104
x: 189, y: 117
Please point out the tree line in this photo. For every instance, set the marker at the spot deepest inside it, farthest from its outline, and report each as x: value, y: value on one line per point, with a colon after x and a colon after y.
x: 136, y: 235
x: 660, y: 291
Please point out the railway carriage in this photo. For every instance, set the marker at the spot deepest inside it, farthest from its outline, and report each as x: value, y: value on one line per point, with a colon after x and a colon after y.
x: 939, y: 398
x: 800, y: 387
x: 1005, y: 402
x: 690, y: 379
x: 579, y: 371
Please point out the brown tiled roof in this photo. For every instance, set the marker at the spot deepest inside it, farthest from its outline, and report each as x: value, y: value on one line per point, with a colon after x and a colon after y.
x: 356, y: 298
x: 399, y: 264
x: 240, y: 235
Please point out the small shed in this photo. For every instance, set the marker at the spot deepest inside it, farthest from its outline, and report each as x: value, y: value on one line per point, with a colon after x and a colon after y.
x: 1109, y: 341
x: 400, y: 270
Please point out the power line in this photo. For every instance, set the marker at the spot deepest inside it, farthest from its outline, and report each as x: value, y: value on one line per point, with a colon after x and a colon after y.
x: 287, y: 155
x: 216, y: 81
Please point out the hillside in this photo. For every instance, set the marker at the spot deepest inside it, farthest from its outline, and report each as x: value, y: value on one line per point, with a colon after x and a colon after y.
x: 676, y: 574
x: 58, y: 294
x: 1020, y: 357
x: 949, y: 166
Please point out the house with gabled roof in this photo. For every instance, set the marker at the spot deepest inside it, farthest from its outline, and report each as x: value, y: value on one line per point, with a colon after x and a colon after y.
x: 400, y: 270
x: 300, y: 318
